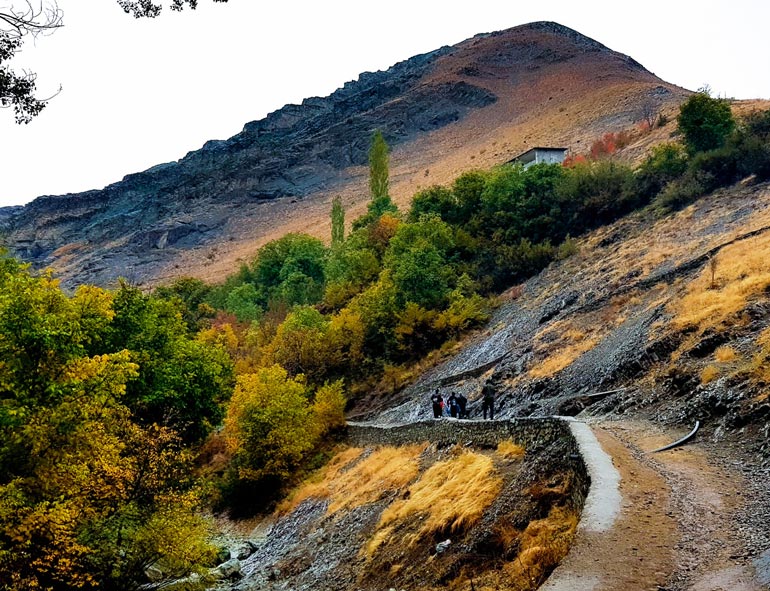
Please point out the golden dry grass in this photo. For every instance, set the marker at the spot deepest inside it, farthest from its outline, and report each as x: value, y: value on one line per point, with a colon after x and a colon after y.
x: 709, y: 374
x: 562, y: 358
x: 543, y: 544
x: 763, y: 340
x: 351, y: 484
x: 510, y: 450
x: 450, y: 495
x: 725, y: 354
x: 742, y: 271
x: 561, y: 342
x: 758, y: 368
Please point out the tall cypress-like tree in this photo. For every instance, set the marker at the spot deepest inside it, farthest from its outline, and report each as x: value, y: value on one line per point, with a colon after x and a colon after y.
x: 380, y: 202
x: 338, y: 221
x: 378, y: 167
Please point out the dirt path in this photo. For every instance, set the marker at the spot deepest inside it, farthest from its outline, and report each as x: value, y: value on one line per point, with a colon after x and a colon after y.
x: 678, y: 527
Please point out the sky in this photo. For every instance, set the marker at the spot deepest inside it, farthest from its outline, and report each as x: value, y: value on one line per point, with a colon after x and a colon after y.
x: 136, y: 93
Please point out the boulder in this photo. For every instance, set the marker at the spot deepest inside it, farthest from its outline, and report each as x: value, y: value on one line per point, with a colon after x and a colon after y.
x: 227, y: 571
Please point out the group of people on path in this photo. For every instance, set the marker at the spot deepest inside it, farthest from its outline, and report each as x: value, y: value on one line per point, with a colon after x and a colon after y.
x: 456, y: 404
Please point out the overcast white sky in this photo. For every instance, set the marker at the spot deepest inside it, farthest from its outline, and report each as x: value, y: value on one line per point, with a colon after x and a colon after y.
x: 140, y: 92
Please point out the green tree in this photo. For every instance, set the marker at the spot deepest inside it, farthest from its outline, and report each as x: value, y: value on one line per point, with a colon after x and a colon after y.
x: 338, y: 222
x: 378, y: 167
x: 182, y: 383
x: 290, y: 269
x: 244, y: 302
x: 351, y: 266
x: 417, y: 258
x: 436, y: 200
x: 705, y: 122
x: 467, y: 190
x: 380, y: 202
x: 190, y: 295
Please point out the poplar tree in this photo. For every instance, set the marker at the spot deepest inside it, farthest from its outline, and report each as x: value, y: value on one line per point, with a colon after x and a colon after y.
x: 338, y: 221
x: 378, y: 167
x: 380, y: 202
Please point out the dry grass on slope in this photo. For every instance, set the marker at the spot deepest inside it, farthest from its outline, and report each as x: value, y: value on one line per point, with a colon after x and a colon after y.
x: 350, y: 480
x: 560, y: 343
x: 509, y: 450
x: 543, y: 544
x: 450, y: 496
x: 742, y: 271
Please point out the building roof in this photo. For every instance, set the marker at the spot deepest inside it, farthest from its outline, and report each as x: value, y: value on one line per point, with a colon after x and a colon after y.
x: 548, y: 148
x: 540, y: 148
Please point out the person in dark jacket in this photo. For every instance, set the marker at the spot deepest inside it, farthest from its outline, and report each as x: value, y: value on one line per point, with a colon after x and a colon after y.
x: 488, y: 400
x: 462, y: 403
x: 438, y: 403
x: 453, y: 406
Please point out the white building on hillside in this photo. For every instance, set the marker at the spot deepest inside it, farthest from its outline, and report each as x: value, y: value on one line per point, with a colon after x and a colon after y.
x: 540, y: 155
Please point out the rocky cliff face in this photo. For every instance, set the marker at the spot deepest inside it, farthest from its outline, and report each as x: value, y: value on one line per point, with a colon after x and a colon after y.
x: 538, y: 83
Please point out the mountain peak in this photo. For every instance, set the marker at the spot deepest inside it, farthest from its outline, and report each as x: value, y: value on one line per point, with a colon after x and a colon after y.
x: 474, y: 104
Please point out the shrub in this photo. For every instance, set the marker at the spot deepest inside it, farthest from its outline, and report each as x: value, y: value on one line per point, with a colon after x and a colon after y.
x: 753, y: 156
x: 597, y: 193
x: 705, y: 122
x: 666, y: 163
x: 609, y: 143
x: 752, y: 141
x: 682, y: 192
x: 719, y: 167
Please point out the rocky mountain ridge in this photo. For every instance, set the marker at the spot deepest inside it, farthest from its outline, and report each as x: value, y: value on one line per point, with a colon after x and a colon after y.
x: 440, y: 111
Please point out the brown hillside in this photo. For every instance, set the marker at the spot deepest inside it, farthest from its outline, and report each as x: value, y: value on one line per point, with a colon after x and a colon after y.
x: 473, y: 105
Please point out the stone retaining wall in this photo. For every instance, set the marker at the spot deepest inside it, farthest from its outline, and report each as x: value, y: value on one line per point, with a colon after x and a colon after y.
x: 532, y: 433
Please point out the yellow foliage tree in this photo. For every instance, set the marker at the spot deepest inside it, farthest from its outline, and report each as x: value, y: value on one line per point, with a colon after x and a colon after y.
x: 83, y: 488
x: 269, y: 426
x: 329, y: 407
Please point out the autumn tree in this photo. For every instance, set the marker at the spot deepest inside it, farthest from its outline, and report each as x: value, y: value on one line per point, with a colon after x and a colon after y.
x: 268, y: 425
x: 88, y: 497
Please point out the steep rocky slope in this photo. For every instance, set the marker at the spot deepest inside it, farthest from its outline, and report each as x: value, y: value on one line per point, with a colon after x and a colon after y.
x: 475, y: 104
x: 655, y: 324
x: 636, y: 312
